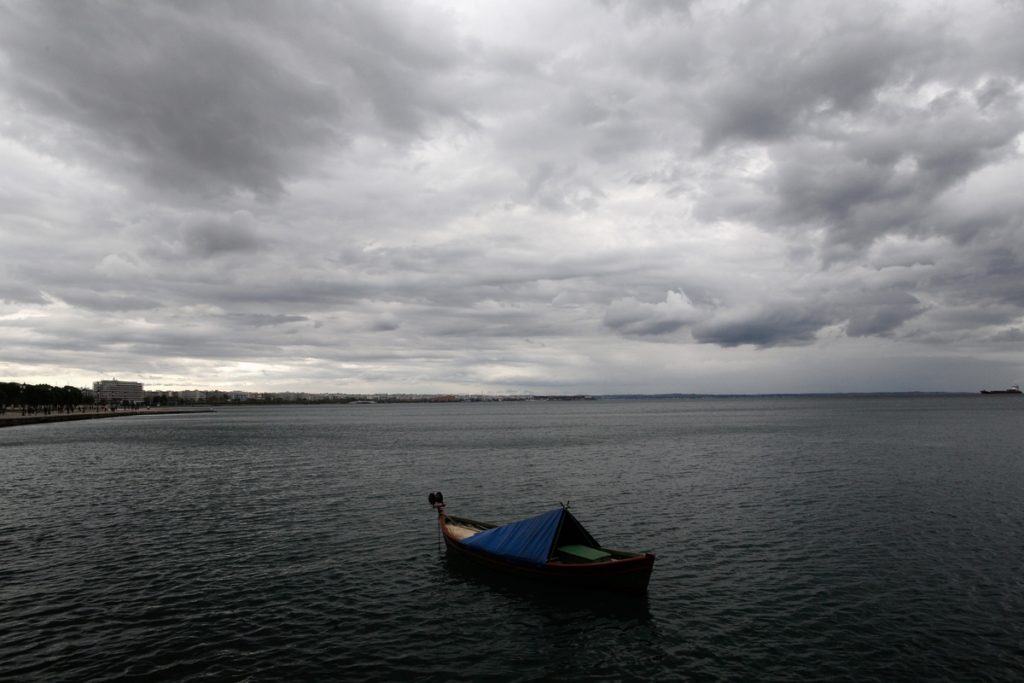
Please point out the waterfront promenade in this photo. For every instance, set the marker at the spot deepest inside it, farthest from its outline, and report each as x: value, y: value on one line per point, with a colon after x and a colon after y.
x: 14, y: 418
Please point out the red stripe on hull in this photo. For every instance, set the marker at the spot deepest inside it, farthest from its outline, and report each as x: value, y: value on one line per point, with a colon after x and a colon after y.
x: 629, y: 575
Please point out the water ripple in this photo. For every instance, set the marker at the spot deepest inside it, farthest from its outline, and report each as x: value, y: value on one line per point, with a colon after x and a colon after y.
x: 846, y: 539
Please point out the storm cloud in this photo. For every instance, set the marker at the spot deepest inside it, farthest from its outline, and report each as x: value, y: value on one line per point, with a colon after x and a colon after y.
x: 585, y: 196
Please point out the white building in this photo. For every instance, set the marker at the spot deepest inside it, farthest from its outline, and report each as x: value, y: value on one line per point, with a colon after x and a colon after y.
x: 113, y: 391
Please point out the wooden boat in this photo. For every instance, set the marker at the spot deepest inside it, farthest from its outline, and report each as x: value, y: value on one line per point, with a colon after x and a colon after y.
x: 552, y: 547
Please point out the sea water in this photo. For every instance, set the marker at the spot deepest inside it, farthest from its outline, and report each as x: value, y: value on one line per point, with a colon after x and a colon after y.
x: 798, y: 538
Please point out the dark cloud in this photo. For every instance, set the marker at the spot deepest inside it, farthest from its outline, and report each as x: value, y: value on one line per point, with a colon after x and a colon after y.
x: 632, y: 317
x: 457, y: 196
x: 992, y: 280
x: 561, y: 189
x: 187, y: 100
x: 386, y: 323
x: 17, y: 293
x: 654, y: 9
x: 861, y: 185
x: 264, y: 320
x: 1013, y: 335
x: 103, y: 301
x: 215, y: 238
x: 880, y: 313
x: 868, y: 118
x: 209, y: 98
x: 779, y: 325
x: 801, y: 74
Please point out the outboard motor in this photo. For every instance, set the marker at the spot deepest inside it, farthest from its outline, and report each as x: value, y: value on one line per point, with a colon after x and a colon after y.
x: 436, y: 500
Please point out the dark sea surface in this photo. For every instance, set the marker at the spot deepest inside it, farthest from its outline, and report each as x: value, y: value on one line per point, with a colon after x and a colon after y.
x: 800, y: 538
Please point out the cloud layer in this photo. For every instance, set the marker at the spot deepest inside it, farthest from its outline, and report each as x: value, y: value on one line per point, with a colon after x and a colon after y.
x: 586, y: 196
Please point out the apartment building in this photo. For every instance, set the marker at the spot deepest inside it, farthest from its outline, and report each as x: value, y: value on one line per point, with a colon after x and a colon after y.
x: 116, y: 392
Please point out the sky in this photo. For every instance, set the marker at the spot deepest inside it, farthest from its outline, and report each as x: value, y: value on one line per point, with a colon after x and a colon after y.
x: 513, y: 197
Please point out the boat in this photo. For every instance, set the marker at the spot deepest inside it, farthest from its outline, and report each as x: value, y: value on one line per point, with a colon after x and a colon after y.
x: 1015, y: 389
x: 552, y: 547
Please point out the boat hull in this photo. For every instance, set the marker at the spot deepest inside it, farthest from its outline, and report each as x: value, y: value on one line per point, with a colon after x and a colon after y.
x: 1015, y: 389
x: 623, y: 574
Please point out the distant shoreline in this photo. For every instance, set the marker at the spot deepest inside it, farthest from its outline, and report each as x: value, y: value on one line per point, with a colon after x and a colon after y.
x: 17, y: 420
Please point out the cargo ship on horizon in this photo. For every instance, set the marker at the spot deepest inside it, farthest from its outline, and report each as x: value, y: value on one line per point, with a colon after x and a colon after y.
x: 1015, y: 389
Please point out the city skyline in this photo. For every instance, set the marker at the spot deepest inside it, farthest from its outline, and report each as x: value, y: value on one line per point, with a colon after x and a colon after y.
x: 513, y: 198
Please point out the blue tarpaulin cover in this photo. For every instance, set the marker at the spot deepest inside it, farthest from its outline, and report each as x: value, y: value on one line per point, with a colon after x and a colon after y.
x: 527, y: 541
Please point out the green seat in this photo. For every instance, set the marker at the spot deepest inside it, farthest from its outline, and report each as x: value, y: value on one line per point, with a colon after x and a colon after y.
x: 584, y: 552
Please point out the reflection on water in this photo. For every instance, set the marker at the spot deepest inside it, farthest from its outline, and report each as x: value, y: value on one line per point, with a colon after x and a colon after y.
x: 581, y: 602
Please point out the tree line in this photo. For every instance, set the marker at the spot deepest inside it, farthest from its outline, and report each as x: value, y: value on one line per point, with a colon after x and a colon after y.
x: 43, y: 399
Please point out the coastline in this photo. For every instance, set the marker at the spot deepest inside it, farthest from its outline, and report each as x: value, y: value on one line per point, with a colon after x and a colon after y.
x: 12, y: 420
